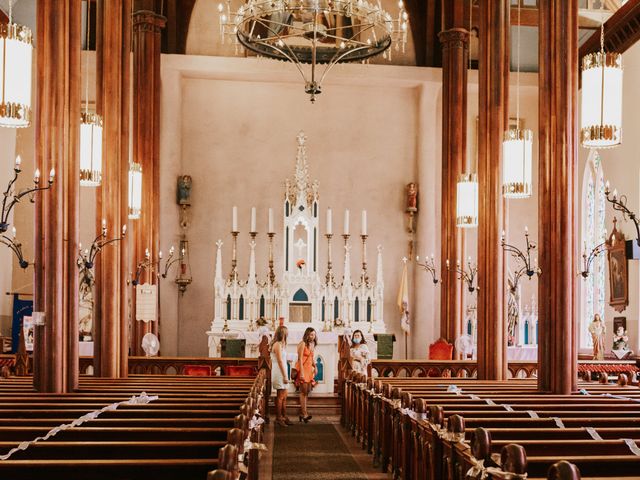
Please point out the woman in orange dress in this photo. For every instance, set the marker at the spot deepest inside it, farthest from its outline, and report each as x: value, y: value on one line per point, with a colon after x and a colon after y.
x: 306, y: 367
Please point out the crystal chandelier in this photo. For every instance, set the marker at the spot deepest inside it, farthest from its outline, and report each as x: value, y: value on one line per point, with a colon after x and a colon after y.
x: 467, y: 201
x: 601, y: 98
x: 517, y: 147
x: 135, y: 191
x: 314, y: 32
x: 16, y: 50
x: 90, y: 132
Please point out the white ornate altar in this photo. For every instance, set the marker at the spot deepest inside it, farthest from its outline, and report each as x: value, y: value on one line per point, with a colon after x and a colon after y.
x: 299, y: 293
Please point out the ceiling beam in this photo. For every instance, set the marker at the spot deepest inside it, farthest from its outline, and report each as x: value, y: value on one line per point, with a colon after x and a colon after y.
x: 621, y: 31
x: 424, y: 20
x: 3, y: 17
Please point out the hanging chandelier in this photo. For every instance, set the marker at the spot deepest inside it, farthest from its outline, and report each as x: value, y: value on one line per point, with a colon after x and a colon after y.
x: 517, y: 147
x: 135, y: 191
x: 601, y: 98
x: 90, y: 131
x: 16, y: 50
x: 314, y: 32
x: 467, y: 201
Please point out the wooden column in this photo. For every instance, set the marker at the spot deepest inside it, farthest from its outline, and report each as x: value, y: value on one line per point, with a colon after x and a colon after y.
x: 455, y: 58
x: 113, y: 62
x: 57, y: 123
x: 147, y: 28
x: 493, y: 120
x: 558, y: 93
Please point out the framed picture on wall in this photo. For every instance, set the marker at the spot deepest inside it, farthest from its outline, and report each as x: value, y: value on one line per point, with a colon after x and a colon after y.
x: 618, y: 271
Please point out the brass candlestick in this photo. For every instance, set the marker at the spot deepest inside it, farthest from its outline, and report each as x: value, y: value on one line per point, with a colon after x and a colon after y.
x: 365, y: 276
x: 329, y: 277
x: 272, y: 273
x: 234, y: 259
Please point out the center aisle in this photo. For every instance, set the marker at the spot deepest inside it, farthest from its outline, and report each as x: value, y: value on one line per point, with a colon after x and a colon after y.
x: 320, y: 450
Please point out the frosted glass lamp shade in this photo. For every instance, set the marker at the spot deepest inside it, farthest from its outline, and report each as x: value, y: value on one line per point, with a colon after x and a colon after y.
x: 467, y: 201
x: 90, y: 149
x: 517, y: 152
x: 16, y: 51
x: 135, y: 191
x: 601, y: 100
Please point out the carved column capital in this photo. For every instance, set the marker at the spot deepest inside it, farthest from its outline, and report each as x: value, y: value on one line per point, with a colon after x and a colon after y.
x: 454, y: 38
x: 148, y: 21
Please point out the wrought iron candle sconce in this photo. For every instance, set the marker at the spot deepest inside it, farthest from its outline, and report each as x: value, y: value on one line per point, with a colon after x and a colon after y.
x: 468, y: 276
x: 429, y: 266
x: 10, y: 198
x: 588, y: 260
x: 619, y: 204
x: 86, y: 259
x: 529, y: 267
x: 154, y: 266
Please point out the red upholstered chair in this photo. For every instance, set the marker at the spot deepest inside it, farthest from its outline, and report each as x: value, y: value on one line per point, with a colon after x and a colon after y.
x: 239, y: 371
x: 197, y: 370
x: 441, y: 350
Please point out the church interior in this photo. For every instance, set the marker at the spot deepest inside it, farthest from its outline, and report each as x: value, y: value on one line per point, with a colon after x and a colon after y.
x: 319, y: 239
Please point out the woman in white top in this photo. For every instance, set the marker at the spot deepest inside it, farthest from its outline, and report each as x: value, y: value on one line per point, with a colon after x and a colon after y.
x: 359, y: 353
x: 279, y: 374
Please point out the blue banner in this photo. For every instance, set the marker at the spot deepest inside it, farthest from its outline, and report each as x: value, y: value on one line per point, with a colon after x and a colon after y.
x: 20, y: 309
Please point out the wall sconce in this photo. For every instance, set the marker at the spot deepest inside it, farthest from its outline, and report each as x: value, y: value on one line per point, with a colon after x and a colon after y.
x: 468, y: 276
x: 16, y: 248
x: 86, y: 259
x: 149, y: 264
x: 184, y: 278
x: 619, y: 203
x: 528, y: 268
x: 429, y: 266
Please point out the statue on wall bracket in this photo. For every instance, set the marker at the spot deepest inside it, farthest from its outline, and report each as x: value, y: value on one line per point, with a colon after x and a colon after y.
x: 411, y: 209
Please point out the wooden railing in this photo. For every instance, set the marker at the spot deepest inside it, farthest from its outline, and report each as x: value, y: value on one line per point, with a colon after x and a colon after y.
x: 443, y: 368
x: 174, y: 365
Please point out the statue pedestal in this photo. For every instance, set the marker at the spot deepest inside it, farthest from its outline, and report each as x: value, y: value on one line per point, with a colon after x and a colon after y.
x: 326, y: 352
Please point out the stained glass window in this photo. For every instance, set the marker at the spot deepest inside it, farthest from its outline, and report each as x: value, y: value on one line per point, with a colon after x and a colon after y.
x: 593, y: 222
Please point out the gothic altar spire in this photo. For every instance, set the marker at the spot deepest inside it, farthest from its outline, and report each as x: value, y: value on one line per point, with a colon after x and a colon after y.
x: 301, y: 191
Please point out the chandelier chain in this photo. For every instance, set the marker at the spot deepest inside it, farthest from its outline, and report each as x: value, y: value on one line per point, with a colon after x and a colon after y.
x: 602, y: 27
x: 86, y: 59
x: 518, y: 70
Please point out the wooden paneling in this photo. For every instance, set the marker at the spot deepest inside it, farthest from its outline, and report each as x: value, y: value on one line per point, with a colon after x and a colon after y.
x: 493, y: 118
x: 621, y: 31
x: 558, y: 152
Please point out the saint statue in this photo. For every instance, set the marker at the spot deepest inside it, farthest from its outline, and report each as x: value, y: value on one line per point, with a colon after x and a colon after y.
x: 597, y: 330
x: 412, y: 197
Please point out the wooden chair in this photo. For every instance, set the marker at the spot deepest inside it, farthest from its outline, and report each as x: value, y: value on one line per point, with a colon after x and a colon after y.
x: 441, y: 350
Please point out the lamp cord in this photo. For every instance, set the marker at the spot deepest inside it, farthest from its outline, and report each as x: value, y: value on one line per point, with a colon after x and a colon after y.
x: 518, y: 71
x: 86, y: 59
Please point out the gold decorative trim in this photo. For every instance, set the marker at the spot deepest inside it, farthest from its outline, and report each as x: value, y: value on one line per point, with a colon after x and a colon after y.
x: 13, y: 31
x: 591, y: 135
x: 15, y: 112
x: 516, y: 189
x: 600, y: 59
x: 90, y: 178
x: 88, y: 118
x: 518, y: 134
x: 467, y: 220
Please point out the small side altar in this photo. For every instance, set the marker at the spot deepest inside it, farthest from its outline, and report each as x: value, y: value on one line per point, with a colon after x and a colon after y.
x: 296, y: 290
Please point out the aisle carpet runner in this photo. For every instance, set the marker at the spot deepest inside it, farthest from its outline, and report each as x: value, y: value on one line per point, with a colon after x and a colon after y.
x: 312, y: 451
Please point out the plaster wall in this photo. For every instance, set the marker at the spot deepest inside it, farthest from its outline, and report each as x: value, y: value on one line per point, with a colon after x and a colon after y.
x: 7, y: 159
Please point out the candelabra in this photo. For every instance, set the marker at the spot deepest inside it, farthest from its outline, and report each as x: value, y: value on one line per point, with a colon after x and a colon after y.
x: 364, y: 275
x: 528, y: 268
x: 430, y: 266
x: 588, y: 260
x: 10, y: 199
x: 469, y: 277
x: 234, y: 258
x: 620, y: 204
x: 329, y: 277
x: 86, y: 259
x: 15, y: 247
x: 149, y: 264
x: 272, y: 273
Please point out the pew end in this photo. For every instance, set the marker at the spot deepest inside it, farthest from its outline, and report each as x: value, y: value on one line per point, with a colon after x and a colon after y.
x: 563, y: 470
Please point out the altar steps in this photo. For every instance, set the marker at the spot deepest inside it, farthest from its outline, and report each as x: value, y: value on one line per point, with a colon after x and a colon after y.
x: 318, y: 405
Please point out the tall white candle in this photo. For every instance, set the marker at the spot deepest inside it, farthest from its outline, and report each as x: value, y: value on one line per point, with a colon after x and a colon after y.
x: 329, y: 222
x: 234, y: 225
x: 270, y: 220
x: 253, y: 219
x: 364, y: 222
x: 346, y: 222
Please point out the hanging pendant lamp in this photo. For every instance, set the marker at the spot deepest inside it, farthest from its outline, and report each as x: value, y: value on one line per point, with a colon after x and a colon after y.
x: 90, y: 131
x: 467, y: 201
x: 517, y: 148
x: 601, y: 98
x: 135, y: 191
x: 16, y: 51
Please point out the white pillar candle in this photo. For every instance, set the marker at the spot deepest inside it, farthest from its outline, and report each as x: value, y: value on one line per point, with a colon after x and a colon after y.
x: 253, y: 219
x: 234, y: 225
x: 346, y: 222
x: 329, y: 222
x: 364, y: 222
x: 270, y: 220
